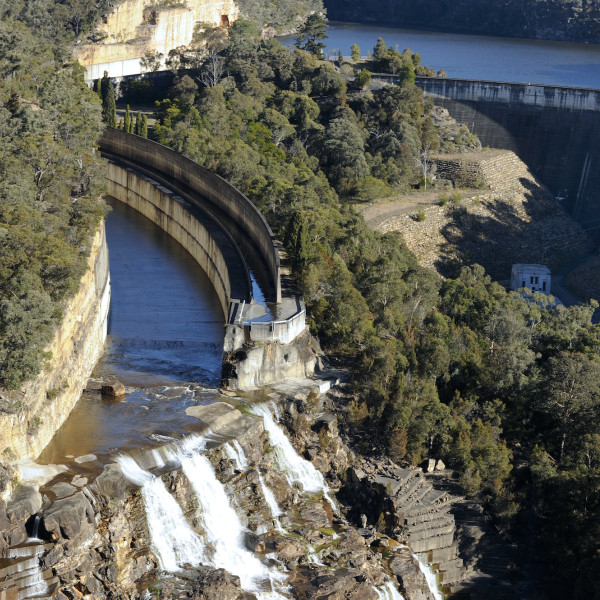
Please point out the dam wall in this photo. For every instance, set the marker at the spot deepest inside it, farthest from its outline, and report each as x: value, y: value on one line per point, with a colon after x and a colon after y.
x: 78, y: 342
x: 228, y: 205
x: 552, y: 129
x: 172, y: 214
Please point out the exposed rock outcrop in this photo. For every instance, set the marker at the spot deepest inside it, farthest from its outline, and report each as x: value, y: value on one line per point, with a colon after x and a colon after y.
x: 97, y: 542
x: 135, y: 27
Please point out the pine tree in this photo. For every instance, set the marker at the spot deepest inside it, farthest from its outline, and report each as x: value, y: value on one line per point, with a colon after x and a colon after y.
x: 380, y: 50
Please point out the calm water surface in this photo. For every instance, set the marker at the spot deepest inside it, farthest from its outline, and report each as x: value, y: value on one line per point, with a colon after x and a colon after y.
x: 479, y: 57
x: 165, y: 343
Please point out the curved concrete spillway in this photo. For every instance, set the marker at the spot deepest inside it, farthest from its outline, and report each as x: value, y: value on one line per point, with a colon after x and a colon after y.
x: 232, y: 242
x: 206, y: 191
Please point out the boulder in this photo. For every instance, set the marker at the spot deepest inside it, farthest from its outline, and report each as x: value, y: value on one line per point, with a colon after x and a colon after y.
x: 62, y: 490
x: 218, y: 584
x: 288, y: 549
x: 111, y: 483
x: 69, y: 517
x: 339, y: 584
x: 113, y: 388
x: 26, y: 501
x: 315, y: 514
x: 351, y: 548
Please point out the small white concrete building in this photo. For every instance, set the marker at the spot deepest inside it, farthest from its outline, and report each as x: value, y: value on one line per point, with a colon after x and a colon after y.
x: 535, y: 277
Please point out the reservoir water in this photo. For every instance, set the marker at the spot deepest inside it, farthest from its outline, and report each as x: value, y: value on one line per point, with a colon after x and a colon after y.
x: 466, y: 56
x: 165, y: 344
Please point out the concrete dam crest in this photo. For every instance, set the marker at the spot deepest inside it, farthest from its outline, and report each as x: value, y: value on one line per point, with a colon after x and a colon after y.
x: 552, y: 129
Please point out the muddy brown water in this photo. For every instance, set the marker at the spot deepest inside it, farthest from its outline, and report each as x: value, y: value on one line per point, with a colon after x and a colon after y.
x: 165, y: 344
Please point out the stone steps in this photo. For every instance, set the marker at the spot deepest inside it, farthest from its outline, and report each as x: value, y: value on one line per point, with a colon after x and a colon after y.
x: 434, y: 523
x: 420, y: 518
x: 22, y: 576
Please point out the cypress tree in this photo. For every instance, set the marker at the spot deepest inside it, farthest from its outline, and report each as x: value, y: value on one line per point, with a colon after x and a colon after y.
x: 380, y: 50
x: 138, y: 123
x: 127, y: 121
x: 144, y: 127
x: 296, y: 240
x: 98, y: 88
x: 103, y: 86
x: 111, y: 106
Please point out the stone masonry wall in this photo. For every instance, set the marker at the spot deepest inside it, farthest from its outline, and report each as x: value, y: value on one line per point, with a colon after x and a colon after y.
x: 515, y: 219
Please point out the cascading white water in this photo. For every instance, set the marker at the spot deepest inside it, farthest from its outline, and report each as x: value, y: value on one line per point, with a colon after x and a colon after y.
x: 173, y: 540
x: 222, y: 527
x: 270, y: 498
x: 235, y: 452
x: 35, y: 529
x: 429, y: 577
x: 31, y: 581
x: 388, y: 591
x: 294, y: 467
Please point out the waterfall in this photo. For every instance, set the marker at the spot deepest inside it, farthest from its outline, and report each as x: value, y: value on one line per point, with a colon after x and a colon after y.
x: 223, y: 530
x: 294, y: 467
x: 388, y: 591
x: 173, y: 541
x: 235, y: 452
x: 35, y: 529
x: 429, y: 577
x: 270, y: 499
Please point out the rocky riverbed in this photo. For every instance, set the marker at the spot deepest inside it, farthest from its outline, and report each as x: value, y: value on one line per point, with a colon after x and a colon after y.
x: 95, y: 537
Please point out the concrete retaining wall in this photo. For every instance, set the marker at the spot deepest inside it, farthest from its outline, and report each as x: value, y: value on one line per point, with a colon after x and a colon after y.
x: 77, y: 345
x: 225, y: 201
x: 552, y: 129
x: 171, y: 213
x: 544, y: 96
x: 284, y: 331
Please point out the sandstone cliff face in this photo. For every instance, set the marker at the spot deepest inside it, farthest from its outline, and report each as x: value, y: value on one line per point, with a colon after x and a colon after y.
x: 42, y: 405
x: 139, y: 26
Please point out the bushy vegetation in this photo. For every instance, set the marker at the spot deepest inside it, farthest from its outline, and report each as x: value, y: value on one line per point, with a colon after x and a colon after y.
x: 57, y: 22
x: 503, y: 389
x: 457, y: 369
x: 50, y: 184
